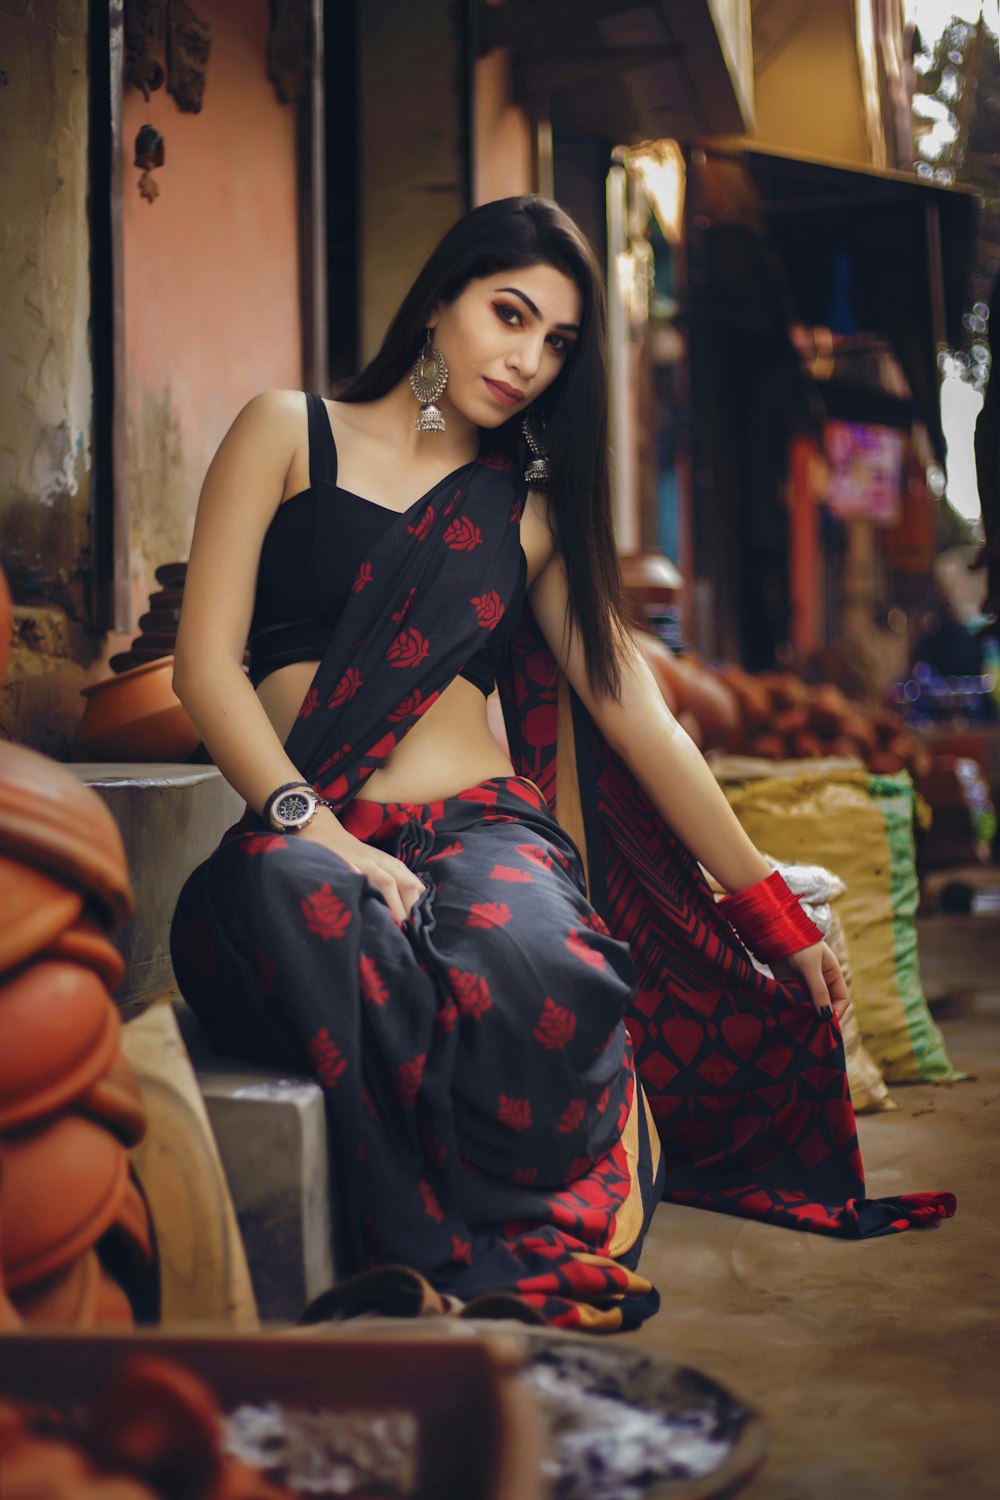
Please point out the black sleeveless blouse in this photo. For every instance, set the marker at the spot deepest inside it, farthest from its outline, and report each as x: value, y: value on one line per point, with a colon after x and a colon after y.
x: 309, y: 559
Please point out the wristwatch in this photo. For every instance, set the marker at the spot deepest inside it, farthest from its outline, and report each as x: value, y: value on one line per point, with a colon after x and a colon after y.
x: 291, y: 807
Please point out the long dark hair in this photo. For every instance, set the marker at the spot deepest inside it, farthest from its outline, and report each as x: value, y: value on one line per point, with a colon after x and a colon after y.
x: 500, y: 236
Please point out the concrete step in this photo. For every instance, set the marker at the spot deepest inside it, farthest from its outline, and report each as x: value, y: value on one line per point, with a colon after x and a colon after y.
x: 171, y: 817
x: 270, y: 1128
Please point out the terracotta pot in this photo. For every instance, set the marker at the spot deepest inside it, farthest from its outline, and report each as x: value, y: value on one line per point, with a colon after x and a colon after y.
x: 156, y: 621
x: 51, y: 820
x: 171, y: 574
x: 67, y: 1300
x: 115, y: 1102
x: 136, y: 716
x: 161, y: 1422
x: 238, y: 1481
x: 754, y: 698
x: 13, y: 1427
x: 10, y: 1318
x: 34, y: 910
x: 112, y: 1308
x: 41, y: 1467
x: 132, y: 1229
x: 84, y: 943
x: 59, y: 1032
x: 63, y: 1184
x: 713, y: 703
x: 6, y: 624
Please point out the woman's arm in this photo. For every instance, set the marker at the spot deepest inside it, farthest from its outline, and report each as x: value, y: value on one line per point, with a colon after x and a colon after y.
x: 662, y: 756
x: 241, y: 493
x: 669, y: 766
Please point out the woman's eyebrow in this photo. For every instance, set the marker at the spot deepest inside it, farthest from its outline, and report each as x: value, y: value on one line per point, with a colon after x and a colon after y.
x: 565, y: 327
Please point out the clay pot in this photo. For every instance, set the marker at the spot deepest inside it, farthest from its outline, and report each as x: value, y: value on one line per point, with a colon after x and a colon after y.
x: 51, y: 820
x: 171, y: 598
x: 67, y: 1300
x: 59, y: 1033
x: 827, y: 708
x: 754, y: 698
x: 171, y: 575
x: 116, y: 1103
x: 806, y: 746
x: 713, y: 703
x: 84, y: 943
x: 162, y: 1423
x: 132, y: 1229
x: 34, y: 910
x: 10, y: 1318
x: 136, y: 716
x: 112, y: 1309
x: 766, y: 746
x: 660, y: 660
x: 156, y: 620
x: 63, y: 1184
x: 6, y: 624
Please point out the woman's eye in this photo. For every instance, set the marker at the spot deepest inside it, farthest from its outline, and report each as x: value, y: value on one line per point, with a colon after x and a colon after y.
x: 560, y: 345
x: 506, y: 313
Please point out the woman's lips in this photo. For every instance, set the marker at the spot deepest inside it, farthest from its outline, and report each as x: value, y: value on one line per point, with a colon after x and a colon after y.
x: 505, y: 394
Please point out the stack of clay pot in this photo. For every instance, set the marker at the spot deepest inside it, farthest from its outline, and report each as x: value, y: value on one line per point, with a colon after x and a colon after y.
x: 135, y: 714
x: 74, y: 1226
x: 158, y: 626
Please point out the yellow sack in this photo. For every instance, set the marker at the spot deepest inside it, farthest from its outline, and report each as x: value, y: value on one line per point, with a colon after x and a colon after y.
x: 861, y: 827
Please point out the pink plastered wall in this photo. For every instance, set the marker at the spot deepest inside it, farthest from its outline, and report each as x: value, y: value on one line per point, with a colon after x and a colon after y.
x: 211, y: 278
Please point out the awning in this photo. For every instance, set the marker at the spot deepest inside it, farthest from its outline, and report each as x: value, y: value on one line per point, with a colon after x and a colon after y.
x: 885, y: 249
x: 626, y: 71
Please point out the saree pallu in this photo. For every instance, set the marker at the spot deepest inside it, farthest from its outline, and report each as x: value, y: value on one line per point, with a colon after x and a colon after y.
x: 435, y: 1161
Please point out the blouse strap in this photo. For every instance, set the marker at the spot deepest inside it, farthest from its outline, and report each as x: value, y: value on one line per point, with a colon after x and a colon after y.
x: 322, y: 448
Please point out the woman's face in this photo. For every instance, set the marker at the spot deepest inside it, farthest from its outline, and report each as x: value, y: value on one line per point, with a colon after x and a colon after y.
x: 505, y: 338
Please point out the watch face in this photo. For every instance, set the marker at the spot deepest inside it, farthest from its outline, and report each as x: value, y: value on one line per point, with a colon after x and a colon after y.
x: 293, y: 808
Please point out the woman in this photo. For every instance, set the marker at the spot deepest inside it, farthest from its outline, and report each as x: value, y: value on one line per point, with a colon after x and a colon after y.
x: 421, y: 938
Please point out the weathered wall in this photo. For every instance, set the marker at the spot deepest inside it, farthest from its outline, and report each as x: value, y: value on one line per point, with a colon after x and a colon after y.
x: 211, y: 279
x: 502, y: 161
x: 412, y: 148
x: 45, y: 378
x: 211, y: 316
x: 808, y: 79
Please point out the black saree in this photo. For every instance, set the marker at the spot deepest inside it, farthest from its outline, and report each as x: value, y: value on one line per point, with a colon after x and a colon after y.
x: 486, y: 1124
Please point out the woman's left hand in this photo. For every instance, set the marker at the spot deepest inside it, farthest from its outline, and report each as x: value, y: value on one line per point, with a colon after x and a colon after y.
x: 818, y: 968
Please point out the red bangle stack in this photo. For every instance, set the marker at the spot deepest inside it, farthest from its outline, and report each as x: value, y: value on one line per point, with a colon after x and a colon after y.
x: 769, y: 919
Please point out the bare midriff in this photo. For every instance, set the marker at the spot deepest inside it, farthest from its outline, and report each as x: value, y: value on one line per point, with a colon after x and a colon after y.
x: 449, y: 749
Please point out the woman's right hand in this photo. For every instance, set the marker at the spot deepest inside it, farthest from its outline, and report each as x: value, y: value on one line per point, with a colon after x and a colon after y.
x: 397, y: 884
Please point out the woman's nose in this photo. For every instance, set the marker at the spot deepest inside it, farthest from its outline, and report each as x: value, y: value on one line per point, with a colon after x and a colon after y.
x: 526, y: 358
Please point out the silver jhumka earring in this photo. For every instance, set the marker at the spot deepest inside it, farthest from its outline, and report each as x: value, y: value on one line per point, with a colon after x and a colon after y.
x: 428, y: 379
x: 538, y: 471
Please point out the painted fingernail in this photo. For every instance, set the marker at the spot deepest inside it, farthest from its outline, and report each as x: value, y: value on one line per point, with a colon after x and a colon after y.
x: 827, y: 1011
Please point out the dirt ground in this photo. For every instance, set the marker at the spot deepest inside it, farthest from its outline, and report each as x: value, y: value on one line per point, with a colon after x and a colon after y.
x: 876, y: 1364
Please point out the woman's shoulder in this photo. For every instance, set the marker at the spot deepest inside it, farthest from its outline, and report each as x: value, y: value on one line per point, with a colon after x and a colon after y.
x: 273, y: 409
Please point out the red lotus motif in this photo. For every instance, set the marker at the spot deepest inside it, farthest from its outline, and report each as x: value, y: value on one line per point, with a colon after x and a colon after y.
x: 413, y: 703
x: 363, y: 578
x: 461, y: 1251
x: 555, y: 1026
x: 260, y: 843
x: 572, y: 1116
x: 462, y: 535
x: 596, y: 923
x: 495, y: 460
x: 328, y: 1061
x: 472, y: 993
x: 309, y: 703
x: 346, y: 688
x: 401, y: 614
x: 372, y: 985
x: 432, y: 1205
x: 489, y: 609
x: 514, y: 1112
x: 407, y: 1078
x: 583, y: 950
x: 536, y: 854
x: 326, y: 914
x: 409, y: 649
x: 447, y: 1017
x: 424, y: 525
x: 514, y: 877
x: 448, y: 852
x: 578, y: 1167
x: 488, y: 914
